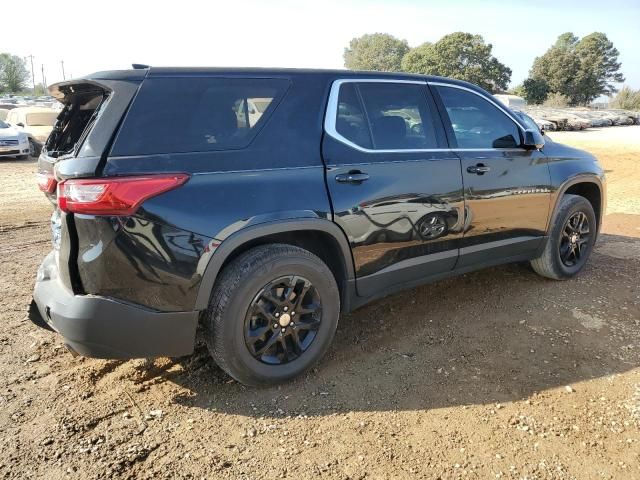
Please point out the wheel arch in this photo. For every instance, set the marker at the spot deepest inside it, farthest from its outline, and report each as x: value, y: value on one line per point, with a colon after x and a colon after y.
x: 321, y: 237
x: 590, y: 187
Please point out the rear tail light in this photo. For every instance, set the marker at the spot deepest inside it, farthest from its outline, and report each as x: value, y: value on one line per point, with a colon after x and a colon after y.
x: 119, y: 196
x: 46, y: 182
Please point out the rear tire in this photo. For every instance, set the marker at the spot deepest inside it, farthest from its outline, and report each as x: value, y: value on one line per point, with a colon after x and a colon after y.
x: 253, y: 310
x: 571, y: 240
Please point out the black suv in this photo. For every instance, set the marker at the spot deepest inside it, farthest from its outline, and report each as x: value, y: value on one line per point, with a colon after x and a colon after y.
x: 263, y: 203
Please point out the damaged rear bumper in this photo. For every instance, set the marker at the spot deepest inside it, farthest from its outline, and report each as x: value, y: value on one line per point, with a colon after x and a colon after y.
x: 102, y: 327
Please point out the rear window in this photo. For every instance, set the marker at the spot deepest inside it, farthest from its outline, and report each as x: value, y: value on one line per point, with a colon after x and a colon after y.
x: 176, y: 115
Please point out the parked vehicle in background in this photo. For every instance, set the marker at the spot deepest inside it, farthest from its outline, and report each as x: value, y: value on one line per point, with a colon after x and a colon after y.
x: 579, y: 118
x: 171, y: 205
x: 627, y: 117
x: 529, y: 121
x: 544, y: 125
x: 13, y: 143
x: 36, y: 122
x: 557, y: 119
x: 512, y: 101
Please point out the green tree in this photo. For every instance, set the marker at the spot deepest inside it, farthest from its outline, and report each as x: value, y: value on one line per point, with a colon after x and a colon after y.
x: 13, y: 73
x: 599, y: 67
x: 416, y: 59
x: 376, y: 51
x: 517, y: 90
x: 627, y: 99
x: 535, y: 90
x: 581, y: 70
x: 559, y: 66
x: 463, y: 56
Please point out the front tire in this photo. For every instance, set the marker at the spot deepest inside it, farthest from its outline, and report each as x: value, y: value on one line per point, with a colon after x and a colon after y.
x: 34, y: 150
x: 571, y: 240
x: 272, y: 315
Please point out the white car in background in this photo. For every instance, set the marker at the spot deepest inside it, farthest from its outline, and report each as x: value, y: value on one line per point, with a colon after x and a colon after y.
x: 13, y: 143
x: 36, y: 122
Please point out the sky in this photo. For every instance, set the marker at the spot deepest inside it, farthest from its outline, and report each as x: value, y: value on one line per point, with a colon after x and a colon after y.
x: 91, y: 36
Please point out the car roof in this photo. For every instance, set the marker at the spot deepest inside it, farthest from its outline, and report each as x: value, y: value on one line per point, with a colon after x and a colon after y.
x: 140, y: 74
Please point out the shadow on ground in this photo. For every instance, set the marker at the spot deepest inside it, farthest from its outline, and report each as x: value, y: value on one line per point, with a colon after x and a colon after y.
x: 492, y: 336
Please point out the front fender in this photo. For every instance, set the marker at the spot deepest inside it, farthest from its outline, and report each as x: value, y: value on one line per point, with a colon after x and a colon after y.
x: 579, y: 178
x: 570, y: 166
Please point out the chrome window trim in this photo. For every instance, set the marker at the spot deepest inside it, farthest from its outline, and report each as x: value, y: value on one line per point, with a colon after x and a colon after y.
x: 484, y: 97
x: 331, y: 116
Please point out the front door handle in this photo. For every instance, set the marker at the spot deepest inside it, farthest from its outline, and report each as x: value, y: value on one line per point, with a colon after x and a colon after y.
x: 354, y: 176
x: 479, y: 169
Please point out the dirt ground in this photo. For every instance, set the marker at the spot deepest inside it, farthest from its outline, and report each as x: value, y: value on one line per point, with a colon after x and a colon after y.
x: 495, y: 374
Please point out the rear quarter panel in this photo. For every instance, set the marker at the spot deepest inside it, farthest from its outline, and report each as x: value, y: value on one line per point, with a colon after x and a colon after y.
x: 158, y: 257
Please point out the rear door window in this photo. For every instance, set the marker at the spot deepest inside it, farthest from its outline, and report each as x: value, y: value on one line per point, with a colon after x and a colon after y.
x: 398, y: 116
x: 476, y: 122
x: 179, y: 115
x: 385, y: 116
x: 351, y: 122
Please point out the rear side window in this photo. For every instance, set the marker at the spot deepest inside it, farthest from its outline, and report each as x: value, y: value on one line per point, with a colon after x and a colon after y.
x: 174, y: 115
x: 476, y: 122
x: 385, y: 116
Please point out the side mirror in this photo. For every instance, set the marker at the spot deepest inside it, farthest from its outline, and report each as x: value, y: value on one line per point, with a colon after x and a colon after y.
x: 533, y: 139
x: 20, y: 124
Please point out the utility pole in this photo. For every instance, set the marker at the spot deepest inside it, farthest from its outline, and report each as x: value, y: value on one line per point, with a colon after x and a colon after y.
x: 33, y: 76
x: 44, y: 79
x: 63, y: 76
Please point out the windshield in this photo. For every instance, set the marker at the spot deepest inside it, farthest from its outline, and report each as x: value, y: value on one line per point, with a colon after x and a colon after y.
x: 528, y: 121
x: 42, y: 119
x: 3, y: 125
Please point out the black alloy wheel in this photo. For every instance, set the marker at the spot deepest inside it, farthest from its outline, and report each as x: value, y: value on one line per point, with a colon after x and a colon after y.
x: 575, y: 236
x: 283, y: 320
x: 272, y: 314
x: 571, y: 239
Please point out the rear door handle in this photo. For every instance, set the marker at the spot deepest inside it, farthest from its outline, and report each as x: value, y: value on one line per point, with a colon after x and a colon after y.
x: 479, y: 169
x: 355, y: 177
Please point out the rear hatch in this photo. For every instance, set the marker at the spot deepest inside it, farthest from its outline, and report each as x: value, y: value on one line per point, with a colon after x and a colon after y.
x: 93, y: 109
x: 78, y: 145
